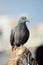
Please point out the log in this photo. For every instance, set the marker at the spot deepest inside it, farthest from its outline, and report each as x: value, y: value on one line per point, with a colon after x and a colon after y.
x: 21, y: 56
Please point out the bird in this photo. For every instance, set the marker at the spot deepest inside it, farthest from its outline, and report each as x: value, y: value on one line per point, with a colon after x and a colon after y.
x: 20, y: 34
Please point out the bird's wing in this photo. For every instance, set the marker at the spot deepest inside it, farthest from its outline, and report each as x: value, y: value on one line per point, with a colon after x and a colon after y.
x: 12, y: 37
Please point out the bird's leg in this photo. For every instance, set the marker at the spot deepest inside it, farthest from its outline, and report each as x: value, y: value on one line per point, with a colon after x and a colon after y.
x: 14, y: 47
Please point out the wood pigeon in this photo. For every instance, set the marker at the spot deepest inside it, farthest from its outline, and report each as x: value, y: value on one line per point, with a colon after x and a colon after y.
x: 20, y: 34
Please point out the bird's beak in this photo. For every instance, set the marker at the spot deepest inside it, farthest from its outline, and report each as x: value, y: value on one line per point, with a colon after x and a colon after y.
x: 27, y: 20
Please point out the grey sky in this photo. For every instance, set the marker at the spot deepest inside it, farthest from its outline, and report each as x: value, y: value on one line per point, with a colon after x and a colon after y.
x: 34, y: 8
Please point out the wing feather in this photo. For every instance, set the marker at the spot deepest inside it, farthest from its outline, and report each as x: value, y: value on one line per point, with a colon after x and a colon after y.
x: 12, y: 37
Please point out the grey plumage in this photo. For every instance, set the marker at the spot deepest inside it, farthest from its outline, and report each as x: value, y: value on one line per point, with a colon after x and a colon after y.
x: 20, y: 34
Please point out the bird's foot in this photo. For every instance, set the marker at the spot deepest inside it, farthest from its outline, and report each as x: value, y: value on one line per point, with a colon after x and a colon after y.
x: 14, y: 47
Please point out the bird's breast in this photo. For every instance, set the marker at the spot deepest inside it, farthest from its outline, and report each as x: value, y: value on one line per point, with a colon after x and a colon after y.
x: 19, y: 34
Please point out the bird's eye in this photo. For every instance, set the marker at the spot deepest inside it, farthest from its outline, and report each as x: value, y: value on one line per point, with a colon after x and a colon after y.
x: 25, y: 17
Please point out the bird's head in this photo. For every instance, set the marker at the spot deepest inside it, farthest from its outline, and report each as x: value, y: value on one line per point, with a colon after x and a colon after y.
x: 23, y: 19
